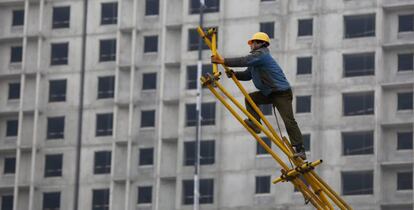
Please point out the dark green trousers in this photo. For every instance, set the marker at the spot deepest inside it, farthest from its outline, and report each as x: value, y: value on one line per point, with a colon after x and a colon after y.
x: 282, y: 100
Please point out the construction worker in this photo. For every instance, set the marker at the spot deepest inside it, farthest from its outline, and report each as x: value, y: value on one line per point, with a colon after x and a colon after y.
x: 273, y: 86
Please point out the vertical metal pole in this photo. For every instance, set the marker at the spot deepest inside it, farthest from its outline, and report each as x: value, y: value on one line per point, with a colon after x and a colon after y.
x: 80, y: 111
x: 198, y: 112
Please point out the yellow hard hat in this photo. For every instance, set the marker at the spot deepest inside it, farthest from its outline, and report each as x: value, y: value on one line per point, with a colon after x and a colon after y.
x: 259, y: 36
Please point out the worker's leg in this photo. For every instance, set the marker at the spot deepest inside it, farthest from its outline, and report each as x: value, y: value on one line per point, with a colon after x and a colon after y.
x: 259, y: 99
x: 283, y: 103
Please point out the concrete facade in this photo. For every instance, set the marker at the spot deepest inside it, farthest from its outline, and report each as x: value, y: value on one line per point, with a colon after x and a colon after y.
x: 236, y: 163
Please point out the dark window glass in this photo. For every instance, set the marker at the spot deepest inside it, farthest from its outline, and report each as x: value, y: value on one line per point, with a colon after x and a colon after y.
x: 405, y: 101
x: 57, y: 90
x: 7, y: 202
x: 16, y: 54
x: 266, y: 109
x: 405, y: 180
x: 207, y: 152
x: 405, y: 62
x: 358, y: 103
x: 55, y: 127
x: 357, y: 182
x: 193, y: 40
x: 146, y: 156
x: 303, y: 104
x: 149, y: 81
x: 18, y: 18
x: 406, y: 23
x: 9, y: 165
x: 104, y: 124
x: 268, y: 28
x: 147, y: 118
x: 106, y: 86
x: 262, y: 184
x: 307, y: 142
x: 152, y: 7
x: 208, y: 114
x: 304, y: 65
x: 12, y: 128
x: 107, y: 50
x: 210, y: 6
x: 206, y: 191
x: 61, y: 17
x: 150, y: 44
x: 14, y: 90
x: 360, y: 64
x: 359, y: 26
x: 358, y: 143
x: 109, y: 13
x: 305, y: 27
x: 100, y: 199
x: 405, y: 140
x: 145, y: 194
x: 51, y: 201
x: 267, y: 0
x: 53, y: 165
x: 260, y: 150
x: 102, y: 162
x: 59, y: 54
x: 192, y: 75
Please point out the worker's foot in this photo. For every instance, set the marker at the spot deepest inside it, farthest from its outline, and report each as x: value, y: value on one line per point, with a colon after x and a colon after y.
x: 252, y: 126
x: 300, y: 152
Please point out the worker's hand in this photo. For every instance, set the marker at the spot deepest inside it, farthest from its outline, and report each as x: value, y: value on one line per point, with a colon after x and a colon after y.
x: 230, y: 73
x: 217, y: 59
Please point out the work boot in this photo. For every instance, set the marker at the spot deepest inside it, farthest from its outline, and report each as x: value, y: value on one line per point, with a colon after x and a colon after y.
x: 299, y: 152
x: 252, y: 126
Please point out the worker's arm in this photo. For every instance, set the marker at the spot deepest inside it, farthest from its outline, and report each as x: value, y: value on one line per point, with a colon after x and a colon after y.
x: 243, y: 75
x: 252, y: 59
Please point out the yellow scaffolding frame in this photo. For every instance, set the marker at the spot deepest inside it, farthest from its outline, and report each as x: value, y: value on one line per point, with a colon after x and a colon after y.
x: 319, y: 191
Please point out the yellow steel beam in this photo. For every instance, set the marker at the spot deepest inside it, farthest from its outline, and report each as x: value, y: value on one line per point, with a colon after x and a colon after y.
x: 316, y: 183
x: 293, y: 173
x: 297, y: 182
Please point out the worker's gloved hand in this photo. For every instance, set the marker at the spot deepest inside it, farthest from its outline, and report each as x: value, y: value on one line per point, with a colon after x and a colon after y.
x: 217, y: 59
x: 230, y: 73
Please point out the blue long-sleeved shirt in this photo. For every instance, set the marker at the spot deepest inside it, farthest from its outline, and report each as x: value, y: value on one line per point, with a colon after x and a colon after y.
x: 265, y: 72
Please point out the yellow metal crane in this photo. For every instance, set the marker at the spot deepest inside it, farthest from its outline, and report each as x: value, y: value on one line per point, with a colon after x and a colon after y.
x: 319, y: 193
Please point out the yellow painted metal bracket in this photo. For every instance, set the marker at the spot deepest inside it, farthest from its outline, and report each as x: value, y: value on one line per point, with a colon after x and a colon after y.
x: 318, y: 190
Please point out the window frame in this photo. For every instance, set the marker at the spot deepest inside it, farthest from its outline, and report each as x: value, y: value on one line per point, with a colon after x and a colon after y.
x: 268, y: 28
x: 13, y: 54
x: 53, y: 195
x: 104, y: 167
x: 148, y: 118
x: 53, y: 131
x: 65, y: 22
x: 16, y: 21
x: 14, y: 91
x: 304, y: 29
x: 102, y: 130
x: 57, y: 90
x: 53, y: 172
x: 206, y: 191
x: 146, y: 156
x: 143, y: 196
x: 106, y: 87
x: 149, y: 11
x: 204, y: 119
x: 303, y: 104
x: 150, y: 44
x: 368, y: 191
x: 149, y: 81
x: 405, y: 185
x: 363, y: 57
x: 262, y: 185
x: 405, y: 101
x: 364, y: 139
x: 58, y: 57
x: 207, y: 156
x: 111, y: 19
x: 260, y: 151
x: 107, y: 50
x: 357, y: 18
x: 7, y: 168
x: 304, y: 65
x: 368, y: 95
x: 401, y: 64
x: 192, y: 10
x: 403, y: 136
x: 100, y: 203
x: 15, y: 131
